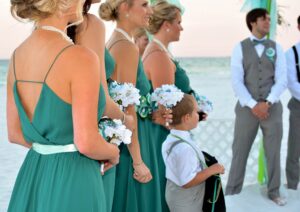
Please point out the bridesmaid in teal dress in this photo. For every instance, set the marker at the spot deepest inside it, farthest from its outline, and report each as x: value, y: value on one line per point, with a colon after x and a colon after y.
x: 90, y: 34
x: 137, y: 181
x: 48, y: 112
x: 161, y: 68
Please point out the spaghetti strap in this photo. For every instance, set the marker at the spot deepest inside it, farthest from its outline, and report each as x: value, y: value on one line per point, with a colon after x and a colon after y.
x: 14, y: 65
x: 117, y: 42
x: 57, y: 56
x: 155, y: 50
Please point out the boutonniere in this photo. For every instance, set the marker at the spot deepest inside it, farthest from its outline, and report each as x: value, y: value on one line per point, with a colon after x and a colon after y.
x: 270, y: 53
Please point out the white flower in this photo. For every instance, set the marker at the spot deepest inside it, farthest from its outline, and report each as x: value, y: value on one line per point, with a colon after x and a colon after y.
x: 115, y: 131
x: 124, y: 94
x: 167, y: 95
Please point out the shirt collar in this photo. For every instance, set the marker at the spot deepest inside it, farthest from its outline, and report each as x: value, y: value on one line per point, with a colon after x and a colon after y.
x: 252, y: 37
x: 186, y: 135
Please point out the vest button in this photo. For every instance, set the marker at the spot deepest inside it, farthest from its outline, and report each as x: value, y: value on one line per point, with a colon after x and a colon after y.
x: 260, y: 70
x: 259, y: 78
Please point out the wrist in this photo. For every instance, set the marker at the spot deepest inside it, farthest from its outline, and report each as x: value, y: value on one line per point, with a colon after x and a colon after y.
x: 268, y: 103
x: 135, y: 164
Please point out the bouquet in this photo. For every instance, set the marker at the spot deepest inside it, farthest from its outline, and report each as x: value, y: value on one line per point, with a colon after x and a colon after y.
x: 204, y: 104
x: 114, y: 132
x: 167, y: 95
x: 124, y: 94
x: 146, y: 107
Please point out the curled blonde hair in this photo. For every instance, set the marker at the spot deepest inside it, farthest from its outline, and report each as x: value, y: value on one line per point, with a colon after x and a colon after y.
x: 35, y: 10
x: 108, y: 10
x: 139, y: 33
x: 162, y: 11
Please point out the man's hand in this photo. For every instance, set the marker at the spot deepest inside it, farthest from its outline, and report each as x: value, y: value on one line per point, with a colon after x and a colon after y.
x: 261, y: 110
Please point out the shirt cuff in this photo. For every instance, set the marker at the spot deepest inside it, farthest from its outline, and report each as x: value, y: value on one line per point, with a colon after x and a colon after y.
x: 271, y: 99
x: 251, y: 103
x: 187, y: 179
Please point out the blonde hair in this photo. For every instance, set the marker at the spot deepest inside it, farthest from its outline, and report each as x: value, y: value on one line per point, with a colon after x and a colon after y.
x: 108, y: 10
x: 139, y: 33
x: 162, y: 11
x: 35, y: 10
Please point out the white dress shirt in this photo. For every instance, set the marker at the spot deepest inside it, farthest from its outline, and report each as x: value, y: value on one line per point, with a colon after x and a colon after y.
x: 293, y: 84
x: 182, y: 164
x: 237, y: 75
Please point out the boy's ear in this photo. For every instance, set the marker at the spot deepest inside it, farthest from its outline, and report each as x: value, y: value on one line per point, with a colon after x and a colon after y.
x: 185, y: 118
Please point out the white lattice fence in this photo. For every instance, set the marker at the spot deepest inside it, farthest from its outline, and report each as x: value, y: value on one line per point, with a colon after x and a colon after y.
x: 216, y: 137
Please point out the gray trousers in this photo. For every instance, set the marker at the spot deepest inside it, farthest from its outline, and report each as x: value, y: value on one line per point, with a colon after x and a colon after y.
x: 245, y: 131
x: 293, y: 155
x: 184, y: 200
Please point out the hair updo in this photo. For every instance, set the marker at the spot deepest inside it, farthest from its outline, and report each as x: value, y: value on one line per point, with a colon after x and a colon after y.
x: 108, y: 10
x: 162, y: 11
x: 35, y: 10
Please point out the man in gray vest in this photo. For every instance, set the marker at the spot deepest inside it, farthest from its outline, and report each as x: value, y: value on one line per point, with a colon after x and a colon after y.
x: 293, y: 155
x: 258, y: 79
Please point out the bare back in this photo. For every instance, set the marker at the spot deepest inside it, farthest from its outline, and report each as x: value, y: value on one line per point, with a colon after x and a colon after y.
x: 34, y: 62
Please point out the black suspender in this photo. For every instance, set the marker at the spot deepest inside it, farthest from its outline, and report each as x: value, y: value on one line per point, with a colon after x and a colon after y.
x: 297, y: 62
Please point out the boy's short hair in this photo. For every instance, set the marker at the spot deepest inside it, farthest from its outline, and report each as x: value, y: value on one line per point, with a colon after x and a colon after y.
x: 253, y: 15
x: 182, y: 108
x: 298, y: 20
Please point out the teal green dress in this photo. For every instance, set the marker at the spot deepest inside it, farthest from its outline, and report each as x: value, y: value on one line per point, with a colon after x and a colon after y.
x: 55, y: 182
x: 183, y: 83
x: 130, y: 195
x: 110, y: 176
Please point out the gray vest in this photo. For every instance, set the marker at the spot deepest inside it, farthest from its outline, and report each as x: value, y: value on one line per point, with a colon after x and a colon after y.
x: 259, y: 72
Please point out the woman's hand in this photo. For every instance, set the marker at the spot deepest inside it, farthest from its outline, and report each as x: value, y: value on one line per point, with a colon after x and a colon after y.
x: 162, y: 116
x: 141, y: 173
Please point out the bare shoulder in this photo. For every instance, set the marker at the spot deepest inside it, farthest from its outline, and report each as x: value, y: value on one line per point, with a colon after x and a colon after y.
x: 125, y: 48
x: 81, y: 58
x: 95, y: 21
x: 81, y: 54
x: 153, y: 52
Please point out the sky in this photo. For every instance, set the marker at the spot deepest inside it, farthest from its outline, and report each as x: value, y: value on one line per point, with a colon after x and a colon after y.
x: 211, y: 28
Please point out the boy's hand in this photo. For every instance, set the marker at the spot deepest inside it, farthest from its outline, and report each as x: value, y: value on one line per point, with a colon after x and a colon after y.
x: 217, y: 169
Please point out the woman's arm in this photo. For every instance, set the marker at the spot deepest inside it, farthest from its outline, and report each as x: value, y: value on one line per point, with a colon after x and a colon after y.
x: 84, y: 84
x: 127, y: 57
x: 160, y: 68
x: 94, y: 38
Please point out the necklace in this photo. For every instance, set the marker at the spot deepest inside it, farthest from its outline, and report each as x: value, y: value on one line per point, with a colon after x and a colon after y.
x: 125, y: 34
x: 162, y: 46
x: 54, y: 29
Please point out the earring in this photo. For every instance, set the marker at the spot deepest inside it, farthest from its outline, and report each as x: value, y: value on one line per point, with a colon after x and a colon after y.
x: 127, y: 15
x: 168, y: 30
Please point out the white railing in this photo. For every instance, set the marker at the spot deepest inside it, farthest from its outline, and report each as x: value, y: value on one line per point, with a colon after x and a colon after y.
x: 216, y: 137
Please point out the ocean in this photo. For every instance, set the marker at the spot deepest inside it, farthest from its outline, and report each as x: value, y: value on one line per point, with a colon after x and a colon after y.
x: 209, y: 77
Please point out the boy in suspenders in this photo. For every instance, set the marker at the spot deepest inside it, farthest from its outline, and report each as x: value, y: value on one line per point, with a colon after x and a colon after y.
x: 186, y: 170
x: 293, y: 155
